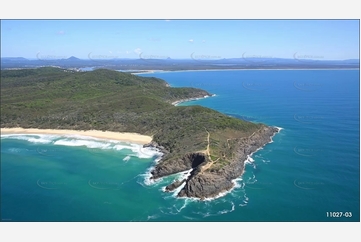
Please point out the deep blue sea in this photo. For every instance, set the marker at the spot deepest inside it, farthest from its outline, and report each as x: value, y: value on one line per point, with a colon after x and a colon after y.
x: 310, y: 170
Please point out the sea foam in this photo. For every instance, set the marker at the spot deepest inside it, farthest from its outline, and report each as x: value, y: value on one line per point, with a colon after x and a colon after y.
x: 136, y: 150
x: 127, y: 158
x: 43, y: 139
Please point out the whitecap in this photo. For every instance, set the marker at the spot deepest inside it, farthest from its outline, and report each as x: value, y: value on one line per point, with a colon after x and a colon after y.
x: 249, y: 159
x: 80, y: 142
x: 147, y: 179
x: 89, y: 142
x: 43, y: 139
x: 15, y: 150
x: 180, y: 176
x: 152, y: 217
x: 238, y: 182
x: 189, y: 218
x: 221, y: 194
x: 127, y: 158
x: 279, y: 128
x: 94, y: 143
x: 139, y: 151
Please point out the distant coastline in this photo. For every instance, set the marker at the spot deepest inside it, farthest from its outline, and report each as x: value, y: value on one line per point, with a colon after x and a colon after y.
x: 249, y: 69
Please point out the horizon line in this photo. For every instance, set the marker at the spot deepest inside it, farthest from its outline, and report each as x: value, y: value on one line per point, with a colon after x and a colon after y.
x: 169, y: 58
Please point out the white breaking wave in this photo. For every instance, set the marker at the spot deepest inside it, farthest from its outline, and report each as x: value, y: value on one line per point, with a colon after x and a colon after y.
x: 139, y: 151
x: 249, y: 159
x: 180, y: 176
x: 43, y: 139
x: 136, y: 149
x: 238, y: 182
x: 148, y: 175
x: 279, y: 128
x: 147, y: 178
x: 88, y: 142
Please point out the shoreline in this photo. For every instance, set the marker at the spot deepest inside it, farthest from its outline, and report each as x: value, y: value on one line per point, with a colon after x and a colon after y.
x: 249, y: 157
x: 249, y: 69
x: 192, y: 187
x: 234, y: 181
x: 176, y: 103
x: 108, y: 135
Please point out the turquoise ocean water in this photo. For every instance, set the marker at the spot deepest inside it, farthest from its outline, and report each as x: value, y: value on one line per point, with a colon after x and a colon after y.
x: 311, y: 168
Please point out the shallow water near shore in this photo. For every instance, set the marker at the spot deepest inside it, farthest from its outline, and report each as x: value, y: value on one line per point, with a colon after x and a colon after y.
x: 311, y: 167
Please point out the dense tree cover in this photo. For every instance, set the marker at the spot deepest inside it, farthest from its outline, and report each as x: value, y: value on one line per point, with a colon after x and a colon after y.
x: 109, y: 100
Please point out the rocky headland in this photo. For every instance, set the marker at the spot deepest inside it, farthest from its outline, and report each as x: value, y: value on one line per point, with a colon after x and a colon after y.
x: 205, y: 182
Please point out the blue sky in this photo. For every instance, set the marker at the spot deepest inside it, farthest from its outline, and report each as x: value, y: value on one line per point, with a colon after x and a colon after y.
x: 109, y: 39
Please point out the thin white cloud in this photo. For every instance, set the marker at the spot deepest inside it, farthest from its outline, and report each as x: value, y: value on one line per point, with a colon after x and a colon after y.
x: 191, y: 40
x: 138, y: 51
x: 203, y: 41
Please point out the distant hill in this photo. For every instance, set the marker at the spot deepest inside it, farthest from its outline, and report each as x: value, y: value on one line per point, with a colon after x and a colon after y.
x: 352, y: 61
x: 73, y: 58
x: 13, y: 59
x: 194, y: 62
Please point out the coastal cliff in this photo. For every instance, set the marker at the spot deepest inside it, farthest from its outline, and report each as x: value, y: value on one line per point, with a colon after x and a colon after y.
x: 204, y: 181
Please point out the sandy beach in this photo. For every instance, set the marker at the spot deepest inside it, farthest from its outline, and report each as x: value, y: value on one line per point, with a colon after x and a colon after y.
x: 128, y: 137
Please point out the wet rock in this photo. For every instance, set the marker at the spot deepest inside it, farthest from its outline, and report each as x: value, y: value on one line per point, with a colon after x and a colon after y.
x: 205, y: 184
x: 174, y: 185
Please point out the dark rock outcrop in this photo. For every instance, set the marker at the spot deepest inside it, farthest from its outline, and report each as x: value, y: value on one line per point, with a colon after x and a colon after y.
x: 207, y: 184
x: 169, y: 167
x: 154, y: 145
x: 174, y: 185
